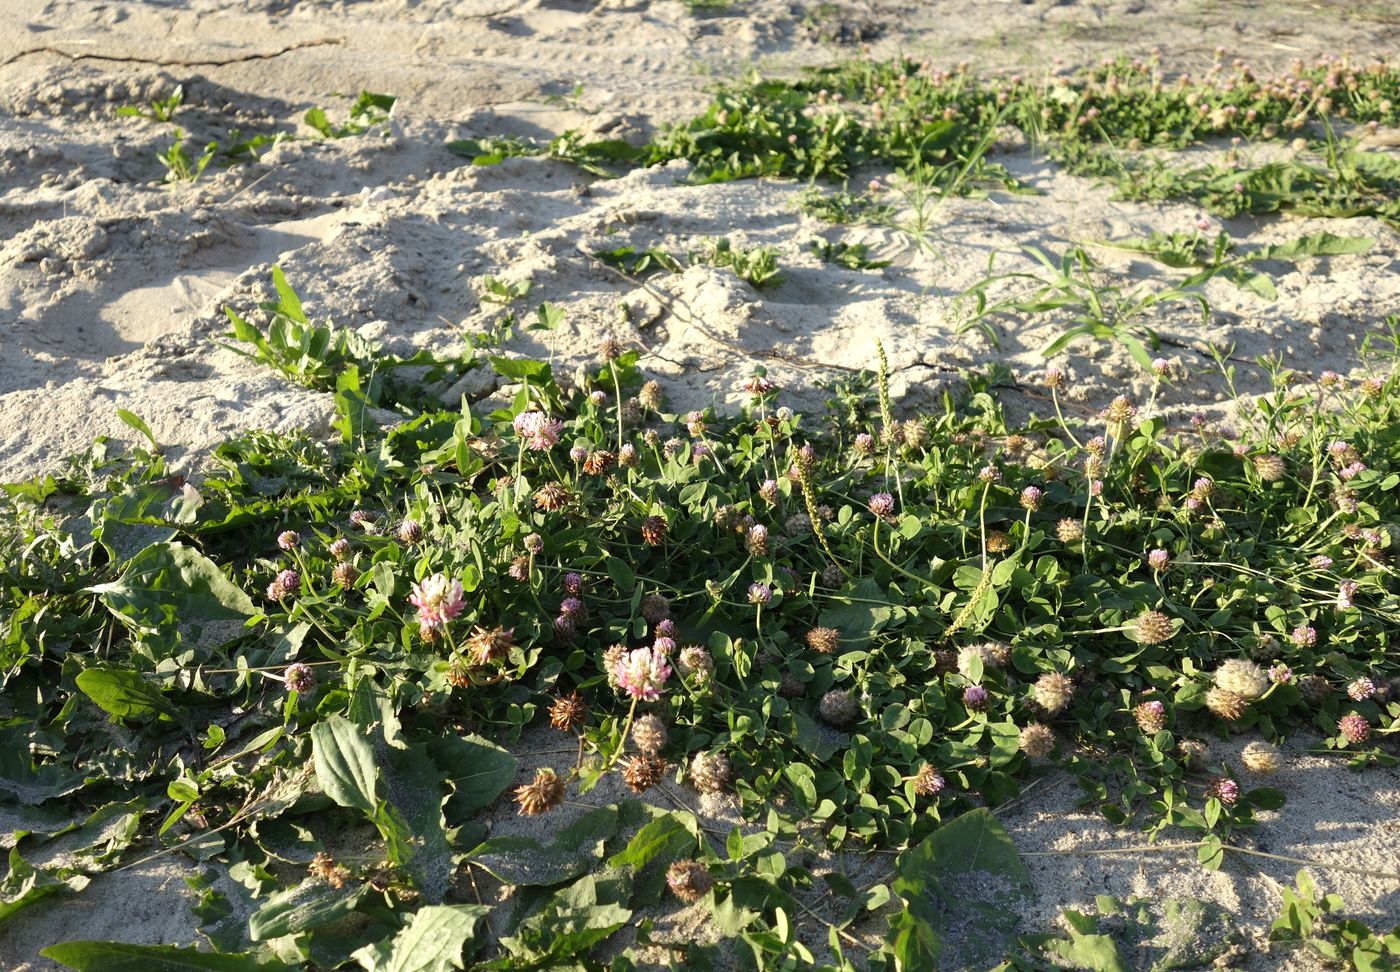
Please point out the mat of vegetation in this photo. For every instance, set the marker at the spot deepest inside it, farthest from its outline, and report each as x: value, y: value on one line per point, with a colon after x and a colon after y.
x: 867, y: 631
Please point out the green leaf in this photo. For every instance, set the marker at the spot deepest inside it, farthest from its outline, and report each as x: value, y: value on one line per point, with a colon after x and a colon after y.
x: 521, y: 860
x: 310, y: 904
x: 621, y: 575
x: 25, y: 884
x: 168, y: 584
x: 866, y: 610
x: 124, y: 693
x: 118, y: 957
x: 478, y: 770
x: 139, y: 424
x: 1098, y: 953
x: 432, y: 941
x: 345, y: 766
x: 965, y: 879
x: 656, y: 846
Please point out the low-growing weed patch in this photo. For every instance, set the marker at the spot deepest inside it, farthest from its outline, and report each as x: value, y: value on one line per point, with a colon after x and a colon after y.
x: 864, y: 632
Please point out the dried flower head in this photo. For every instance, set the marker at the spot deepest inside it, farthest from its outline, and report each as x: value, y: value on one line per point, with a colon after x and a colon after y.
x: 410, y: 531
x: 533, y: 544
x: 543, y: 793
x: 689, y: 880
x: 655, y: 608
x: 1244, y: 678
x: 1261, y: 758
x: 490, y: 644
x: 1054, y: 378
x: 1314, y: 688
x: 1052, y: 692
x: 643, y: 772
x: 568, y: 713
x: 1037, y: 741
x: 610, y: 348
x: 1030, y: 498
x: 650, y: 396
x: 756, y: 540
x: 710, y: 772
x: 654, y: 530
x: 760, y: 593
x: 364, y: 520
x: 552, y: 496
x: 649, y: 735
x: 997, y: 542
x: 324, y: 868
x: 598, y: 462
x: 1120, y: 413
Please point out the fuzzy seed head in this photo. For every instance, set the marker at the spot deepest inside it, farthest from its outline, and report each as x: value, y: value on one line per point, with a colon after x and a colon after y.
x: 1153, y: 628
x: 824, y: 641
x: 649, y: 735
x: 839, y: 709
x: 1261, y: 758
x: 1037, y: 741
x: 696, y: 663
x: 650, y: 396
x: 1052, y: 692
x: 1069, y: 530
x: 710, y: 772
x: 1227, y: 705
x: 1244, y: 678
x: 1270, y: 468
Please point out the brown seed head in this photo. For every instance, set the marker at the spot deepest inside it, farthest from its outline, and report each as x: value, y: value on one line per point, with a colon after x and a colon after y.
x: 544, y: 793
x: 643, y: 772
x: 568, y: 712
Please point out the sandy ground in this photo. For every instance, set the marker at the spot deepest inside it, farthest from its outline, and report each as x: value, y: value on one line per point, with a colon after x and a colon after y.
x: 111, y: 284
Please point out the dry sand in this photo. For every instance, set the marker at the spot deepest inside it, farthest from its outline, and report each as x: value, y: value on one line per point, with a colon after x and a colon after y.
x: 111, y: 285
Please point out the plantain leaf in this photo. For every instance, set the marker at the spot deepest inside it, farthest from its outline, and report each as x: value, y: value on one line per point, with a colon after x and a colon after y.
x: 431, y: 942
x: 88, y: 956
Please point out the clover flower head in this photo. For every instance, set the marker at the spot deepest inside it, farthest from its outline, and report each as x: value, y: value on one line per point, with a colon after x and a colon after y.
x: 1030, y: 498
x: 760, y: 593
x: 1159, y: 560
x: 288, y: 539
x: 1354, y: 728
x: 989, y: 474
x: 975, y: 698
x: 1361, y: 689
x: 1304, y: 636
x: 537, y: 430
x: 438, y: 599
x: 882, y: 504
x: 1224, y: 789
x: 1346, y: 590
x: 642, y: 673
